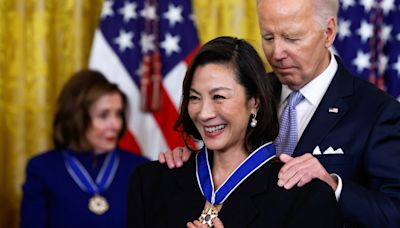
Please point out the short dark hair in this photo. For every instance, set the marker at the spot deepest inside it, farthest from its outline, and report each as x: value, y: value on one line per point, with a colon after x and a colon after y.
x: 250, y: 73
x: 72, y: 118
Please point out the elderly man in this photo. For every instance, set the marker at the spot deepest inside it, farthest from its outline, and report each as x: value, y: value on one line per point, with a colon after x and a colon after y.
x: 335, y: 127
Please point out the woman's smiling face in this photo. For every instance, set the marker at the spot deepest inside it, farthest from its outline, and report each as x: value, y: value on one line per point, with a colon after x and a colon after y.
x: 218, y: 107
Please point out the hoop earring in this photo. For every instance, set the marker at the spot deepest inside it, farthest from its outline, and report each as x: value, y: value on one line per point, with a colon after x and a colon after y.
x: 253, y: 122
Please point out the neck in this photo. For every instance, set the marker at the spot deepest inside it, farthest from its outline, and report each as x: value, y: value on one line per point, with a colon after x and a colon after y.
x: 225, y: 163
x: 99, y: 152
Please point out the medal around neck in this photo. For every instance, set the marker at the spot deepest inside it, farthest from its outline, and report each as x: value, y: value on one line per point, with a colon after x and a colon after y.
x: 97, y: 203
x: 204, y: 178
x: 208, y: 215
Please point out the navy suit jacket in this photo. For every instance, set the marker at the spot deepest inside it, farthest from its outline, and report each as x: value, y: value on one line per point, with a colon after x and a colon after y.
x: 52, y: 199
x: 162, y: 197
x: 367, y: 129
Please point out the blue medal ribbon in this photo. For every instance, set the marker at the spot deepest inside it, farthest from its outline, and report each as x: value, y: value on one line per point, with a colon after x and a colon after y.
x: 82, y: 178
x: 252, y: 163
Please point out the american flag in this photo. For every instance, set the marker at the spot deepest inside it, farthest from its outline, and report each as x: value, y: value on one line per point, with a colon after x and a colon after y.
x: 368, y: 41
x: 144, y: 46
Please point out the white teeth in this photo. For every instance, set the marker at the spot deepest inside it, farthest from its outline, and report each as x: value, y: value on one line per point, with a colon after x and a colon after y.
x: 213, y: 129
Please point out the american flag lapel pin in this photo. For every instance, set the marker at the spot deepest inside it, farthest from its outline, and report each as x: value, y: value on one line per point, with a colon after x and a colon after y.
x: 333, y: 110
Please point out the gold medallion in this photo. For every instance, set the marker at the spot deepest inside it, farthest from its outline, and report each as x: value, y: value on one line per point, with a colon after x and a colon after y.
x: 208, y: 215
x: 98, y: 204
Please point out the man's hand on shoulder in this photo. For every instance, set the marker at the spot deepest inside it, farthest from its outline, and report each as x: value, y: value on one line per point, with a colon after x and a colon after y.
x: 301, y: 170
x: 174, y: 158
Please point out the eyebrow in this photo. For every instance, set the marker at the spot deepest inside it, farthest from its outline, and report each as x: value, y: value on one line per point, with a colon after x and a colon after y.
x: 293, y: 34
x: 213, y: 90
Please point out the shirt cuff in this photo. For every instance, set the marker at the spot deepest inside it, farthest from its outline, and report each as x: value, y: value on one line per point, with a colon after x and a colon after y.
x: 339, y: 186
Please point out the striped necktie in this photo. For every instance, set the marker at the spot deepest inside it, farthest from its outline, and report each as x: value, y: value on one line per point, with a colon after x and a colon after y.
x: 287, y: 138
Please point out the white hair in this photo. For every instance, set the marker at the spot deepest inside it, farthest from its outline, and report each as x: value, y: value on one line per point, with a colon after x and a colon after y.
x: 324, y: 10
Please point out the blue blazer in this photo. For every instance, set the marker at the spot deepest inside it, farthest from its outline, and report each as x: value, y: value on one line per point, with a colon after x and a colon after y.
x: 52, y: 199
x: 367, y: 129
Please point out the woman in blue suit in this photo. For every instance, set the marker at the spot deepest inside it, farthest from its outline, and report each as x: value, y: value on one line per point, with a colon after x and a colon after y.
x: 83, y: 181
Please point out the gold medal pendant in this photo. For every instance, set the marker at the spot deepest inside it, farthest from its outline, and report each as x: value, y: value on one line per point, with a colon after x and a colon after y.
x: 208, y: 215
x: 98, y: 204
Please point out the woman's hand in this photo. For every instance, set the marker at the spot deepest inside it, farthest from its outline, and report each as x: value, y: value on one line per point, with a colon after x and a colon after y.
x: 196, y: 224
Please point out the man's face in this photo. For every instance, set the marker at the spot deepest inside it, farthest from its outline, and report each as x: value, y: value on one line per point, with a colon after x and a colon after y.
x: 295, y: 45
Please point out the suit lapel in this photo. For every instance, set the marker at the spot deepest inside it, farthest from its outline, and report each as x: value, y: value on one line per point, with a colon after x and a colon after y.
x: 332, y: 108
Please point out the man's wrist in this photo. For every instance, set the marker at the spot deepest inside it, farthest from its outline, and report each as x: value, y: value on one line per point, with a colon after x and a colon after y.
x: 339, y: 185
x: 334, y: 182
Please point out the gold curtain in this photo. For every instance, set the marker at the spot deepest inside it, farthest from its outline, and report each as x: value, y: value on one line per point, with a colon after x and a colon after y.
x: 41, y: 43
x: 228, y: 17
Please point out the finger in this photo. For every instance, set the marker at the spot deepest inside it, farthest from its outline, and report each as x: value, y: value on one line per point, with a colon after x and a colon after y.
x: 186, y: 154
x: 294, y: 162
x: 198, y: 224
x: 285, y: 158
x: 161, y: 158
x: 296, y: 179
x: 194, y: 224
x: 286, y: 174
x: 292, y: 174
x: 288, y: 183
x: 301, y: 174
x: 169, y: 159
x: 304, y: 180
x: 177, y: 156
x: 218, y: 223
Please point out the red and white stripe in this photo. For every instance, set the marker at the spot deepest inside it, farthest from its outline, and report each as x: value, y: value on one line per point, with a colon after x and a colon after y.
x: 148, y: 133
